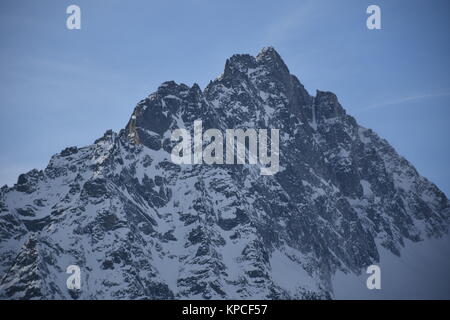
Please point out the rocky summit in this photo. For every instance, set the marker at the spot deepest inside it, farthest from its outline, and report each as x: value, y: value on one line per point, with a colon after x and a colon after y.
x: 141, y: 227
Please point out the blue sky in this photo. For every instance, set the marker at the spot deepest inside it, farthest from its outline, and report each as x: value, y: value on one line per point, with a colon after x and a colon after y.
x: 61, y: 88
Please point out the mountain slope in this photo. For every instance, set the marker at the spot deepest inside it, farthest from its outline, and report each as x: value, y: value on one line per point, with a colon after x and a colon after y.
x: 140, y: 226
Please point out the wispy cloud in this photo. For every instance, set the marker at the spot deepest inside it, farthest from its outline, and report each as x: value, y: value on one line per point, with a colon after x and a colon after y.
x: 402, y: 100
x: 307, y: 13
x: 39, y: 69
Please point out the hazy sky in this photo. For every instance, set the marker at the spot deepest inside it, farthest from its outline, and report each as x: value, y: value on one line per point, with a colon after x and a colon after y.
x: 60, y: 88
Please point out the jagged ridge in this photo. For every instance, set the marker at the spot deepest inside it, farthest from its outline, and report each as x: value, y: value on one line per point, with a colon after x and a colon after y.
x: 140, y: 226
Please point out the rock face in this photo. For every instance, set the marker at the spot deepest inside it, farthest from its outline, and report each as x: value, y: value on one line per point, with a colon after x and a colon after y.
x: 142, y: 227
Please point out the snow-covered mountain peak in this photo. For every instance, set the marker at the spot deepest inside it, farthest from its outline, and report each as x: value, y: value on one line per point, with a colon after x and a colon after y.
x: 140, y: 226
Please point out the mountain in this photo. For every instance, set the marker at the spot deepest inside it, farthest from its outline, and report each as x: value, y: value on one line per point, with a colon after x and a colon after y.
x: 142, y: 227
